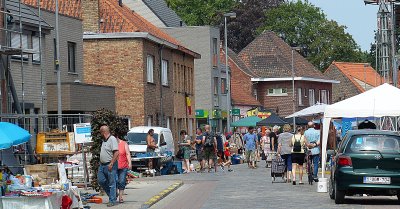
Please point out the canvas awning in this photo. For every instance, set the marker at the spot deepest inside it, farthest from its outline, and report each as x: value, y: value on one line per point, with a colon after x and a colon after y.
x: 312, y: 110
x: 246, y: 122
x: 272, y: 120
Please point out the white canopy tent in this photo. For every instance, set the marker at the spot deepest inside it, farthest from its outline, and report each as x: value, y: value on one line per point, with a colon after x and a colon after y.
x: 312, y: 110
x: 380, y: 101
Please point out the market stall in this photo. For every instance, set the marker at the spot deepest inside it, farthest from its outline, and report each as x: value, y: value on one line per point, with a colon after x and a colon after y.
x: 41, y: 186
x: 380, y: 101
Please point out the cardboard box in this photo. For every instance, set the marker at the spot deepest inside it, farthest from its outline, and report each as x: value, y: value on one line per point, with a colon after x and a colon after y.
x: 46, y: 173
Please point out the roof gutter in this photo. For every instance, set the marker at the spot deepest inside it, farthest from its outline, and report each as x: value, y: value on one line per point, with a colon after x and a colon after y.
x: 295, y: 78
x: 127, y: 35
x: 145, y: 35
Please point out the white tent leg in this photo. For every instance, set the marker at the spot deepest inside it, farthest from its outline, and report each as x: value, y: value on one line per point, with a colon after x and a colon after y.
x: 325, y: 133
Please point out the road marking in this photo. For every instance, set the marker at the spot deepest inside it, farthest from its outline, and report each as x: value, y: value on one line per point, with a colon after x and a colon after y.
x: 156, y: 198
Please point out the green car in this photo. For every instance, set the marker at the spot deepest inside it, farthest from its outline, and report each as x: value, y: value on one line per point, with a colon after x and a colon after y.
x: 366, y: 162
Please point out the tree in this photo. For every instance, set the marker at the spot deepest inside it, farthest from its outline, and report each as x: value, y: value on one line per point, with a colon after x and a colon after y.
x: 302, y: 24
x: 116, y: 124
x: 250, y: 16
x: 201, y: 12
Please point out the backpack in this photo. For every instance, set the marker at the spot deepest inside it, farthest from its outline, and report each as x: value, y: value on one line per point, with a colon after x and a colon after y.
x: 297, y: 145
x: 209, y: 142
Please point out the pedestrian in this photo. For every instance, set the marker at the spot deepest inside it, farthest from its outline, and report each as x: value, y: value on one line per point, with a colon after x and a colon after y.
x: 220, y: 150
x: 199, y: 148
x: 107, y: 172
x: 151, y: 148
x: 227, y: 154
x: 124, y: 164
x: 237, y: 141
x: 250, y: 140
x: 210, y: 148
x: 313, y: 137
x: 184, y: 145
x: 298, y: 143
x: 274, y: 138
x: 285, y: 150
x: 266, y: 146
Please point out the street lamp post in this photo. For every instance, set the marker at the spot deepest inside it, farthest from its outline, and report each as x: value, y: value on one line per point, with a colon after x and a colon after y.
x: 228, y: 102
x: 293, y: 89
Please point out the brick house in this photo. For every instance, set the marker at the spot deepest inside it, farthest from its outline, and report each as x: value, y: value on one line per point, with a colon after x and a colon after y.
x: 270, y: 58
x: 152, y: 72
x: 355, y: 78
x: 242, y: 88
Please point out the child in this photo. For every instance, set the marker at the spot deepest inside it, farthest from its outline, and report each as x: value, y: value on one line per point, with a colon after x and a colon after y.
x: 227, y: 155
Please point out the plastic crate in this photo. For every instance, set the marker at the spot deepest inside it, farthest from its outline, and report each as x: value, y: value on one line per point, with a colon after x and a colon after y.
x: 178, y: 165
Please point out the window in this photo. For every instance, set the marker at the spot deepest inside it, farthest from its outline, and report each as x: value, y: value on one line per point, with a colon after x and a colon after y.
x: 215, y: 45
x: 328, y: 96
x: 311, y: 97
x: 150, y: 68
x: 215, y: 52
x: 169, y: 122
x: 224, y: 89
x: 216, y: 85
x: 71, y: 57
x: 15, y: 43
x: 190, y: 127
x: 255, y: 94
x: 277, y: 92
x: 323, y: 97
x: 164, y: 72
x: 300, y: 96
x: 35, y: 47
x: 149, y: 120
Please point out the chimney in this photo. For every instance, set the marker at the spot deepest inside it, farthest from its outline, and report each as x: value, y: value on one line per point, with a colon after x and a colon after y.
x: 90, y: 16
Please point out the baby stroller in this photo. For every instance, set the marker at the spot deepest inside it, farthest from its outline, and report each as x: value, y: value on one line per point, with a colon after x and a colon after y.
x: 277, y: 168
x: 309, y: 167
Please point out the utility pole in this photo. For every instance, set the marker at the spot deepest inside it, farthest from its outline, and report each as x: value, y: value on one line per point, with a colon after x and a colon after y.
x: 57, y: 62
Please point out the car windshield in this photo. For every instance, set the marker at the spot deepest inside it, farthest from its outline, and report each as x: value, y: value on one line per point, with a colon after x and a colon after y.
x: 140, y: 138
x: 382, y: 143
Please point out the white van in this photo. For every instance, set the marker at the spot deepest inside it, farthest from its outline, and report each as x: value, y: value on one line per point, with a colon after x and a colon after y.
x: 138, y: 144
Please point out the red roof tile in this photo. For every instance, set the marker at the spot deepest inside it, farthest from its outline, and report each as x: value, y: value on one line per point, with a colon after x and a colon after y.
x: 70, y: 8
x: 270, y: 57
x: 358, y: 74
x: 116, y: 18
x: 241, y: 85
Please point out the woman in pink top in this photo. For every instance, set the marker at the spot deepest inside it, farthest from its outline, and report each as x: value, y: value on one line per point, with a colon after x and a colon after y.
x: 124, y: 164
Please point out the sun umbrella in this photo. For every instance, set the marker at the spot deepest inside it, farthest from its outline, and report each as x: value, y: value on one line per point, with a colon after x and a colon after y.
x: 12, y: 135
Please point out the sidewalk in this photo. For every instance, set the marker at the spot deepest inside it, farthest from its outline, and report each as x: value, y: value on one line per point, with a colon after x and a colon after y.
x: 141, y: 193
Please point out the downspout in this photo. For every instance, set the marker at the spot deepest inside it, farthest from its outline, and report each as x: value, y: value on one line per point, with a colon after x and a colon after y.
x: 161, y: 87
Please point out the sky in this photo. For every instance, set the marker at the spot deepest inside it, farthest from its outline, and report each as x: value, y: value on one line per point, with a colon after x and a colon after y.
x: 359, y: 18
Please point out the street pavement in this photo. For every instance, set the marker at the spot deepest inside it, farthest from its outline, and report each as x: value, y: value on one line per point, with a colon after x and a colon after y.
x: 243, y: 188
x: 253, y: 188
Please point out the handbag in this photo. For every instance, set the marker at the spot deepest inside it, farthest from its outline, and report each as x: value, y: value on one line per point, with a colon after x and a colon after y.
x: 179, y: 154
x: 263, y: 157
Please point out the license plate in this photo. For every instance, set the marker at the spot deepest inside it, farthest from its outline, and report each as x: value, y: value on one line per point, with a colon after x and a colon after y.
x: 376, y: 180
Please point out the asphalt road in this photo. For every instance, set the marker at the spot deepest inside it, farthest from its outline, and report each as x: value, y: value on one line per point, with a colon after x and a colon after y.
x: 253, y: 188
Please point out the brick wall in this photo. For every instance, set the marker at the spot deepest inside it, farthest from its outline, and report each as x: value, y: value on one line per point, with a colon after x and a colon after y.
x: 345, y: 89
x: 284, y: 104
x: 90, y: 15
x: 118, y: 63
x: 122, y: 63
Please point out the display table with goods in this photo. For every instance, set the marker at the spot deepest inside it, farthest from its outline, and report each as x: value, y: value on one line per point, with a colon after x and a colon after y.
x: 38, y: 189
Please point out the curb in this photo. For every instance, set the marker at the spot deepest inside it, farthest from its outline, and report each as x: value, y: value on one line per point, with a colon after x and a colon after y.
x: 161, y: 195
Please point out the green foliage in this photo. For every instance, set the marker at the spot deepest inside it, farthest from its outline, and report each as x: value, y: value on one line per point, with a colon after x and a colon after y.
x: 250, y: 16
x: 117, y: 126
x: 302, y: 24
x: 201, y: 12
